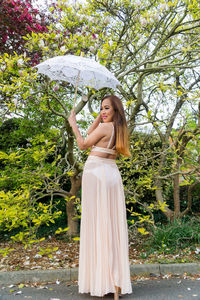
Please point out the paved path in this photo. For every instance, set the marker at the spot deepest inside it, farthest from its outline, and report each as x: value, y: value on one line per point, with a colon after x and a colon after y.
x: 160, y: 289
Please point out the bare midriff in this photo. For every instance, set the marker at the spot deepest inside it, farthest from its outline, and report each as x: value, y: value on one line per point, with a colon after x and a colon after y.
x: 103, y: 155
x: 103, y: 152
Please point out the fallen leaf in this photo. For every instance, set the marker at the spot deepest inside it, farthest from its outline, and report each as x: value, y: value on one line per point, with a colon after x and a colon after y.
x: 178, y: 282
x: 37, y: 256
x: 42, y: 287
x: 18, y: 293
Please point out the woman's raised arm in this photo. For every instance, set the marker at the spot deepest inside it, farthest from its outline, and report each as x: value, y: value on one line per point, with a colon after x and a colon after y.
x: 97, y: 133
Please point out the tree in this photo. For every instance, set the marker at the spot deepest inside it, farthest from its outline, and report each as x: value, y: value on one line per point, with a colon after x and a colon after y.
x: 186, y: 171
x: 154, y: 51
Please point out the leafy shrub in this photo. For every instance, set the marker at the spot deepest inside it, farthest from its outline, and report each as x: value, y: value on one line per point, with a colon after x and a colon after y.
x: 175, y: 235
x: 29, y: 203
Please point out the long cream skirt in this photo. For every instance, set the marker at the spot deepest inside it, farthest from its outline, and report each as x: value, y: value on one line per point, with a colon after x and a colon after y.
x: 103, y: 256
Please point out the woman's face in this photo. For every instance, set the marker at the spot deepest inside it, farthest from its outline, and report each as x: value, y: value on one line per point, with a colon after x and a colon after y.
x: 107, y: 111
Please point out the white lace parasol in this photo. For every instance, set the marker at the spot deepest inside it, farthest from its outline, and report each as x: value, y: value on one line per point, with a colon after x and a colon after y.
x: 79, y: 71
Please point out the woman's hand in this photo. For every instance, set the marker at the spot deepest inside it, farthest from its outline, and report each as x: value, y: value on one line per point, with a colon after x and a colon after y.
x: 98, y: 118
x: 72, y: 118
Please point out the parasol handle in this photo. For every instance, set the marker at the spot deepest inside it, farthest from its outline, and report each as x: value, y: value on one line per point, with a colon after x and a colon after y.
x: 77, y: 82
x: 76, y: 89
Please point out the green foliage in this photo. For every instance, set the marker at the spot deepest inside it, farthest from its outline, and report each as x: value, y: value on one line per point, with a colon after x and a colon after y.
x: 47, y: 251
x: 22, y: 206
x: 16, y: 132
x: 29, y: 165
x: 6, y: 251
x: 18, y: 210
x: 138, y: 172
x: 175, y: 235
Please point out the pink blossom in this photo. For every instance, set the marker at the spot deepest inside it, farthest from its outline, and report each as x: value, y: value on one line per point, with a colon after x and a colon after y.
x: 4, y: 38
x: 29, y: 28
x: 15, y: 102
x: 34, y: 62
x: 92, y: 49
x: 29, y: 17
x: 55, y: 88
x: 39, y: 27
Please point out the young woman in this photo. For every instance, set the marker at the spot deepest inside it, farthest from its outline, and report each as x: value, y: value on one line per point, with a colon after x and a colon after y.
x: 103, y: 256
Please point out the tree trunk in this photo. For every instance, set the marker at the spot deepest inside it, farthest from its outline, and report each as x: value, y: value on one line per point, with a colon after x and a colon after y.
x: 177, y: 191
x: 189, y: 196
x: 159, y: 197
x: 70, y: 207
x: 72, y: 223
x: 176, y: 194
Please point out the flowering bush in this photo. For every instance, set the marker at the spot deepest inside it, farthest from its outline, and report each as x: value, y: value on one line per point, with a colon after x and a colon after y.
x: 18, y: 18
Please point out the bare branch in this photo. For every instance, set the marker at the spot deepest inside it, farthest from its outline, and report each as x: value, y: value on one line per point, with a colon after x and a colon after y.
x: 54, y: 111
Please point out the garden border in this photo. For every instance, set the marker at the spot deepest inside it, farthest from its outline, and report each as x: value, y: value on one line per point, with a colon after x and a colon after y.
x: 69, y: 274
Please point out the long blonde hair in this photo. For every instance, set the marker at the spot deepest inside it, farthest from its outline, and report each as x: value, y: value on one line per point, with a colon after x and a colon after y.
x: 120, y: 124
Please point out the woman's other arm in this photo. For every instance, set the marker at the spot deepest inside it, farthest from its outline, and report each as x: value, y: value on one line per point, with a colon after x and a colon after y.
x: 94, y: 125
x: 96, y: 134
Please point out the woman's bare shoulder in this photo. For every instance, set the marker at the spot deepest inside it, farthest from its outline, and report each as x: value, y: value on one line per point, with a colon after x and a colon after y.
x: 105, y: 125
x: 104, y: 128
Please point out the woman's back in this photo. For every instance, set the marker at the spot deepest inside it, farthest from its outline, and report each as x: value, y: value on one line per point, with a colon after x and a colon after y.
x: 105, y: 146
